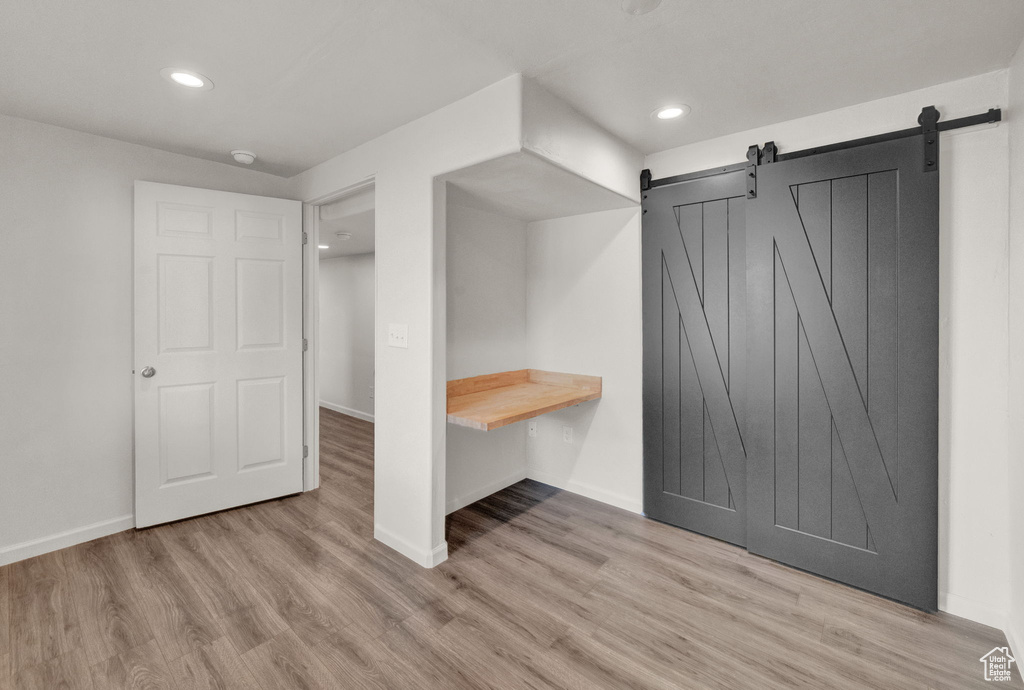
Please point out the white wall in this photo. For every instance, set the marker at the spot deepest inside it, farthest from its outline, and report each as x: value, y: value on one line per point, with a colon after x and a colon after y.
x: 1015, y: 483
x: 66, y: 469
x: 584, y: 317
x: 974, y: 454
x: 486, y: 306
x: 346, y: 334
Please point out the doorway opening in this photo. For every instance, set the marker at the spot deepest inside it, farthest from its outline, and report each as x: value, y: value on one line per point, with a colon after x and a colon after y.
x: 343, y: 347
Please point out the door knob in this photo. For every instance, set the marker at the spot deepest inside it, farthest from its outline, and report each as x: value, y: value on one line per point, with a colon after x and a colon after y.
x: 148, y: 373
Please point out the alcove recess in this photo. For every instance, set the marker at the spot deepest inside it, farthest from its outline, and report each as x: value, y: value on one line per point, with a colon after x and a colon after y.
x: 526, y: 188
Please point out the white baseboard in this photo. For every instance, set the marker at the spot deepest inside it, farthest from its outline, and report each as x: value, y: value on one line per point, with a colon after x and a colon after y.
x: 454, y: 503
x: 62, y: 540
x: 347, y: 410
x: 427, y: 559
x: 1015, y: 638
x: 597, y: 493
x: 986, y: 614
x: 439, y: 554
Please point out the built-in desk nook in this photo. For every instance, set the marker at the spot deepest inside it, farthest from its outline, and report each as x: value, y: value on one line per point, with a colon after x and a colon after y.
x: 533, y: 325
x: 496, y: 400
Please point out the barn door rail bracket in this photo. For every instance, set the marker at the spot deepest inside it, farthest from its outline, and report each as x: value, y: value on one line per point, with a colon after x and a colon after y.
x: 929, y: 121
x: 645, y: 179
x: 753, y: 160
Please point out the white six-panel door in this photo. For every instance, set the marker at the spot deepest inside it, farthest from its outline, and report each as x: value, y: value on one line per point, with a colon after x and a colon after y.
x: 218, y: 350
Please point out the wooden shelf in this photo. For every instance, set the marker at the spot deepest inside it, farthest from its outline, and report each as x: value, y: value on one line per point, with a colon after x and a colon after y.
x: 496, y: 400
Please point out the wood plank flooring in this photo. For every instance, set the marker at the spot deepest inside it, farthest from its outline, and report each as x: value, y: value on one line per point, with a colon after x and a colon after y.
x: 543, y: 589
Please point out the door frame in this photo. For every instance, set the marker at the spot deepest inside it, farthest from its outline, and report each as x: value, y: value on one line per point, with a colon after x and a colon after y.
x: 311, y: 325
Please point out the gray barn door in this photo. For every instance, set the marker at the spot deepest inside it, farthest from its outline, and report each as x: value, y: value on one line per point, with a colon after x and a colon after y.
x: 694, y: 354
x: 842, y: 409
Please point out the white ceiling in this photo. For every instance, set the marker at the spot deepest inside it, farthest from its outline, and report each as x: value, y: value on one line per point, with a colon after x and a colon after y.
x: 300, y: 82
x: 354, y: 215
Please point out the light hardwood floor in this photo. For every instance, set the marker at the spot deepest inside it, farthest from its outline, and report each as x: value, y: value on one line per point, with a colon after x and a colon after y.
x: 543, y: 589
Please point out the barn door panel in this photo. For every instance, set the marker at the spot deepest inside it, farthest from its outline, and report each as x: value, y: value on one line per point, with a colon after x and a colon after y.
x: 694, y: 356
x: 842, y: 271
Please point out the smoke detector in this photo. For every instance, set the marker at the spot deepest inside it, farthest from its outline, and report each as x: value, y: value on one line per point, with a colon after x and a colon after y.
x: 243, y: 157
x: 343, y: 236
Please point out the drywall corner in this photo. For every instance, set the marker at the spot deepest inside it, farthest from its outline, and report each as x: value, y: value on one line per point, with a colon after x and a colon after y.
x: 1015, y: 312
x: 425, y: 558
x: 552, y: 129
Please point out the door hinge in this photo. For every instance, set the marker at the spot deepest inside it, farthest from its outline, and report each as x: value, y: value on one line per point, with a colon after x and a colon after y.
x: 305, y: 451
x: 753, y: 160
x: 305, y: 345
x: 929, y: 121
x: 305, y: 238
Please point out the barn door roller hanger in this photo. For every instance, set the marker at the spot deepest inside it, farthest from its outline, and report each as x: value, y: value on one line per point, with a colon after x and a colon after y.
x: 929, y: 129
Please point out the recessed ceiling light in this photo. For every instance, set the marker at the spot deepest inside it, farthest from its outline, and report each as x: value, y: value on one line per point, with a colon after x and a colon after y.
x: 186, y: 78
x: 671, y: 112
x: 343, y: 236
x: 638, y: 7
x: 323, y: 246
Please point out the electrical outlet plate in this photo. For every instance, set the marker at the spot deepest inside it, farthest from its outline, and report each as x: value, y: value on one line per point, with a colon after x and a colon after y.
x: 567, y: 434
x: 398, y: 335
x: 532, y: 428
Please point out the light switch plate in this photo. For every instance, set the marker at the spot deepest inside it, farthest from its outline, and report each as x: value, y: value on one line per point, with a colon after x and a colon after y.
x: 567, y: 434
x: 398, y: 335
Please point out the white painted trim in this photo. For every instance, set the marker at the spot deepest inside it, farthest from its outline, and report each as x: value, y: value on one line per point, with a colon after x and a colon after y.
x: 1014, y: 638
x: 439, y: 554
x: 62, y: 540
x: 986, y: 614
x: 311, y: 357
x: 347, y: 410
x: 597, y: 493
x: 311, y: 326
x: 427, y: 559
x: 458, y: 502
